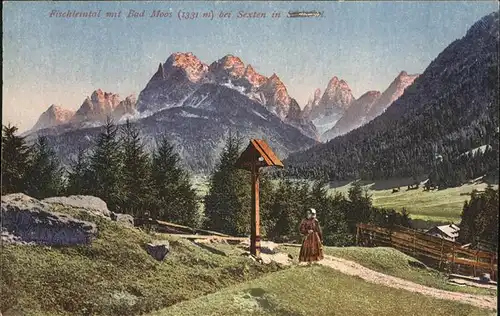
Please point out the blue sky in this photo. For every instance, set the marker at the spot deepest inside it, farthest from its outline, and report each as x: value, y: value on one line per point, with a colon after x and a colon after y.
x: 62, y: 60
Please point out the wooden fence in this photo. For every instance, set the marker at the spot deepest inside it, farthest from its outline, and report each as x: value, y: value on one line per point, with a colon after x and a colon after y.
x: 171, y: 228
x: 439, y: 253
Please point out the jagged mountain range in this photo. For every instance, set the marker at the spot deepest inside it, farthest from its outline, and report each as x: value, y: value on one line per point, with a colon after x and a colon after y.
x: 449, y: 109
x: 337, y: 111
x: 325, y: 116
x: 192, y: 96
x: 197, y: 130
x: 195, y: 105
x: 368, y: 106
x: 199, y: 95
x: 94, y: 111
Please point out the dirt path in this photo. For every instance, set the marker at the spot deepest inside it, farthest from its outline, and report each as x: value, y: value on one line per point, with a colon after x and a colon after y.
x: 355, y: 269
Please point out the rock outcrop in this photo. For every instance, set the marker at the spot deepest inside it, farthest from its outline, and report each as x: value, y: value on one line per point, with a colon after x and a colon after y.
x: 26, y: 220
x: 92, y: 205
x: 124, y: 219
x: 158, y: 249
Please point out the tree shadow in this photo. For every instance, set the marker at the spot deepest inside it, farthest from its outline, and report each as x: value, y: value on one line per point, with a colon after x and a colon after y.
x: 265, y: 302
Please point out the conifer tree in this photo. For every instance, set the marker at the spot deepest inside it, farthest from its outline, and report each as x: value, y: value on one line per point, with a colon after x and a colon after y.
x: 15, y: 155
x: 44, y: 177
x: 359, y: 207
x: 106, y: 168
x: 332, y: 213
x: 174, y: 198
x: 78, y: 175
x: 335, y: 225
x: 136, y: 173
x: 227, y: 204
x: 479, y: 219
x: 284, y: 214
x: 318, y: 198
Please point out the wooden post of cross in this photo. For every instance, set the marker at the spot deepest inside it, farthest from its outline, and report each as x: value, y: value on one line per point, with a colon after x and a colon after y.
x: 255, y: 217
x: 257, y: 155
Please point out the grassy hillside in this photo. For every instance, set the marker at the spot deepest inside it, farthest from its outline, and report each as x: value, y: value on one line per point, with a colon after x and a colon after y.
x: 441, y: 206
x: 114, y: 276
x: 393, y: 262
x: 316, y: 291
x: 436, y: 206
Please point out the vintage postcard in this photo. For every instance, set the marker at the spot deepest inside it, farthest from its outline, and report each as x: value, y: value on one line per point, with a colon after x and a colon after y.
x: 250, y: 158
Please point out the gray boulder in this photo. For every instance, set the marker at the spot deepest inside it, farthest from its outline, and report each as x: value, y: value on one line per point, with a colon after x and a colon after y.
x: 124, y: 219
x: 269, y: 247
x: 485, y: 278
x: 28, y: 220
x: 92, y: 204
x: 158, y: 249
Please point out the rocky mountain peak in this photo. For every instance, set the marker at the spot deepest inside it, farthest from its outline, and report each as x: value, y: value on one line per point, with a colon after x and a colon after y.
x: 253, y: 77
x: 391, y: 94
x: 404, y: 79
x: 326, y: 110
x: 370, y: 95
x: 336, y: 86
x: 227, y: 68
x: 333, y: 82
x: 337, y: 94
x: 53, y: 116
x: 344, y: 85
x: 184, y: 73
x: 317, y: 94
x: 194, y: 69
x: 160, y: 74
x: 105, y: 99
x: 335, y: 101
x: 354, y: 115
x: 126, y: 107
x: 230, y: 61
x: 97, y: 107
x: 312, y: 102
x: 249, y: 70
x: 274, y: 78
x: 276, y: 96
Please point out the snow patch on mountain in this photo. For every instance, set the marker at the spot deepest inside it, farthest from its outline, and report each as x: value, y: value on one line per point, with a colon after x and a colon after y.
x: 474, y: 151
x: 231, y: 85
x: 259, y: 115
x: 324, y: 123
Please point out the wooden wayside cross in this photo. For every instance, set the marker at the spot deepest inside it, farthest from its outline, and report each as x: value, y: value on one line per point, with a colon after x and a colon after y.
x: 258, y: 154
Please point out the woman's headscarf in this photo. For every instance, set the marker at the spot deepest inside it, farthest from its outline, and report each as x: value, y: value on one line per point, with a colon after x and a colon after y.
x: 312, y: 212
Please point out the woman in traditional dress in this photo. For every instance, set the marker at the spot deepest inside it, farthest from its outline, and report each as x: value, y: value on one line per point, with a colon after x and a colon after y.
x: 312, y: 248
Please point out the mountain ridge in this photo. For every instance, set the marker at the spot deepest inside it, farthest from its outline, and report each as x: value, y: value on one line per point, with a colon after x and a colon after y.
x: 369, y: 106
x: 197, y: 128
x: 451, y: 107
